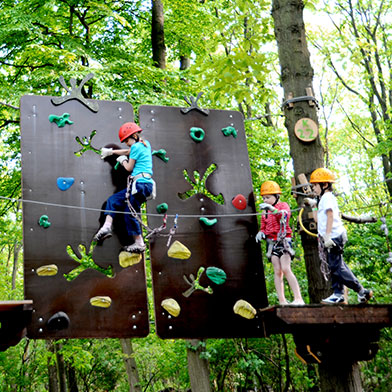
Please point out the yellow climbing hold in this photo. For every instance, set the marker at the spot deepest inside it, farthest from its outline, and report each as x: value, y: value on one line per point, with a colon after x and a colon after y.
x: 47, y: 270
x: 101, y: 301
x: 171, y: 306
x: 179, y: 251
x: 127, y: 259
x: 244, y: 309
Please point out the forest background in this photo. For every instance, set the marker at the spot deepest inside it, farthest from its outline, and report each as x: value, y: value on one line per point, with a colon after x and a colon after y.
x: 157, y: 53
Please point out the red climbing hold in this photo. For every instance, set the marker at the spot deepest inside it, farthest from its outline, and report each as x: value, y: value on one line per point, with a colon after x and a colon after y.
x: 239, y: 202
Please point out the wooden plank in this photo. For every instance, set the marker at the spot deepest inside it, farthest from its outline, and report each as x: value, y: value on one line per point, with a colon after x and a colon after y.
x: 342, y: 314
x: 12, y: 305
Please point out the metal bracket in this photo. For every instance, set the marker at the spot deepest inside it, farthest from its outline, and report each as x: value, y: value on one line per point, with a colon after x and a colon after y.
x: 312, y: 101
x: 193, y: 102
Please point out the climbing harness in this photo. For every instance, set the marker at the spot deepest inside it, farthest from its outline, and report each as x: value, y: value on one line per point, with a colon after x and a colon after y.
x: 282, y: 241
x: 131, y: 189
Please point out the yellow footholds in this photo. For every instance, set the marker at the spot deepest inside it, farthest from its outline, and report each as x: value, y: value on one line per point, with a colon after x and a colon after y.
x: 179, y: 251
x: 101, y: 301
x: 47, y: 270
x: 171, y: 306
x: 127, y: 259
x: 244, y: 309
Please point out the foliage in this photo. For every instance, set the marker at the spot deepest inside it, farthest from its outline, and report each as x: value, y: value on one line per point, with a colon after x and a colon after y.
x: 233, y: 60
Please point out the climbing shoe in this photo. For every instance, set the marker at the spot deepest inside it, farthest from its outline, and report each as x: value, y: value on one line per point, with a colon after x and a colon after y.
x: 135, y: 248
x: 365, y: 296
x: 102, y: 234
x: 334, y: 299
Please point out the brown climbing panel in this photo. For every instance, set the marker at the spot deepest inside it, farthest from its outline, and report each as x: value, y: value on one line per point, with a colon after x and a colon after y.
x: 85, y: 182
x: 229, y: 244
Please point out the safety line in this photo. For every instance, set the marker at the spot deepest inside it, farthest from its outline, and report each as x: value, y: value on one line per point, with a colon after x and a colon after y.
x: 168, y: 215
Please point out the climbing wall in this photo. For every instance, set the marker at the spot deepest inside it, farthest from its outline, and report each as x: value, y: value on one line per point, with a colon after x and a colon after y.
x: 201, y: 168
x: 78, y: 288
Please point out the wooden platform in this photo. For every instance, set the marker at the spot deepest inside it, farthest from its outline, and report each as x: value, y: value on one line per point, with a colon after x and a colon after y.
x: 14, y: 318
x: 285, y: 319
x: 324, y: 333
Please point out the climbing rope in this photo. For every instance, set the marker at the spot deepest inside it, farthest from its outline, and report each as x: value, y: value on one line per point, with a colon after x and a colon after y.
x: 302, y: 225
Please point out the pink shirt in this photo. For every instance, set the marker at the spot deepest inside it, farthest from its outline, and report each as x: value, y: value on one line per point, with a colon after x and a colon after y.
x: 270, y: 223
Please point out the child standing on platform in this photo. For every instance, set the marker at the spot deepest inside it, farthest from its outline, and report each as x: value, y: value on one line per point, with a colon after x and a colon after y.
x: 275, y: 229
x: 332, y: 236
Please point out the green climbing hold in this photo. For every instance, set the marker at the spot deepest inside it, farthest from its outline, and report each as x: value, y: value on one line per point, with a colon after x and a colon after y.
x: 197, y: 134
x: 208, y: 222
x: 216, y: 274
x: 44, y: 221
x: 229, y: 131
x: 162, y: 208
x: 161, y: 154
x: 60, y: 120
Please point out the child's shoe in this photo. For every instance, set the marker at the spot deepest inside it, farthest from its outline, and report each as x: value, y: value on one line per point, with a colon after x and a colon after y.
x: 365, y: 296
x: 298, y: 302
x: 334, y: 299
x: 135, y: 248
x: 102, y: 234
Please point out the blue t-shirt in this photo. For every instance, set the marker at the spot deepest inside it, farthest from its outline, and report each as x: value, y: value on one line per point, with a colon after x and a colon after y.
x: 143, y: 160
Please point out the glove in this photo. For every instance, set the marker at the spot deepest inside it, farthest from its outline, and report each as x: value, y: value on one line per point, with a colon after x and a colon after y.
x: 266, y: 206
x: 310, y: 202
x: 328, y: 243
x: 121, y: 159
x: 260, y: 236
x: 106, y: 152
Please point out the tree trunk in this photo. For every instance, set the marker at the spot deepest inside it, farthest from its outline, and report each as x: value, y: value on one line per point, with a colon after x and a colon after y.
x: 71, y: 378
x: 199, y: 372
x: 52, y: 370
x: 17, y: 247
x: 130, y: 365
x: 343, y: 377
x: 296, y: 77
x: 157, y: 35
x: 61, y: 373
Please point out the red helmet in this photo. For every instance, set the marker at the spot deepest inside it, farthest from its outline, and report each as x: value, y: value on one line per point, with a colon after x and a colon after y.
x: 128, y: 129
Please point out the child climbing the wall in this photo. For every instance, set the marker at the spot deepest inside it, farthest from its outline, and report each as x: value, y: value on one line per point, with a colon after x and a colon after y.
x: 136, y: 159
x: 332, y: 236
x: 275, y: 229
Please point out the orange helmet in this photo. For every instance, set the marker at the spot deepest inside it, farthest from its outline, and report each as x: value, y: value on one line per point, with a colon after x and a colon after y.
x: 322, y: 175
x: 128, y: 129
x: 270, y: 188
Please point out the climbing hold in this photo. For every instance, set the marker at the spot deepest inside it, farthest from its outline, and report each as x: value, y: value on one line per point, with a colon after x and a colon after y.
x: 47, y: 270
x: 65, y: 183
x: 85, y: 142
x: 58, y: 321
x: 217, y: 275
x: 244, y: 309
x: 60, y: 120
x: 208, y: 222
x: 197, y: 134
x: 127, y: 259
x: 229, y: 131
x: 178, y: 251
x: 44, y: 221
x: 239, y: 202
x: 162, y: 208
x: 101, y: 301
x: 171, y: 306
x: 161, y: 154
